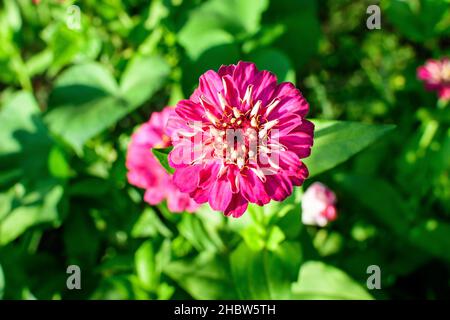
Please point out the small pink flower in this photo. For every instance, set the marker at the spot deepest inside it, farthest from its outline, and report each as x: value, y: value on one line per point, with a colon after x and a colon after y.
x: 436, y: 75
x: 318, y: 205
x: 144, y: 170
x: 239, y: 138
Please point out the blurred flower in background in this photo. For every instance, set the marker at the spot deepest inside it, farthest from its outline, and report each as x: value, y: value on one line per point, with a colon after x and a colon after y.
x: 436, y: 75
x: 144, y: 170
x: 241, y: 100
x: 318, y: 205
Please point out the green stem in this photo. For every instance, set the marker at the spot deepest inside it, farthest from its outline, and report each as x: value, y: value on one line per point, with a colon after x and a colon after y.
x: 428, y: 134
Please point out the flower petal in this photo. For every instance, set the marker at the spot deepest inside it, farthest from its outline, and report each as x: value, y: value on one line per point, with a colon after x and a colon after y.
x: 244, y: 75
x: 238, y: 205
x: 190, y: 111
x: 252, y: 188
x: 154, y: 196
x: 220, y: 194
x: 186, y: 179
x: 226, y: 70
x: 278, y: 187
x: 291, y: 101
x: 264, y: 85
x: 210, y: 85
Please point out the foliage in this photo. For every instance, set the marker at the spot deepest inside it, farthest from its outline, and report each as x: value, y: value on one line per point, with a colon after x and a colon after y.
x: 70, y: 100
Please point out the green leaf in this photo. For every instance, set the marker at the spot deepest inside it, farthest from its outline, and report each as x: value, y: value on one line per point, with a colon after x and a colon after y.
x: 66, y: 45
x: 2, y: 282
x: 36, y: 206
x: 145, y: 266
x: 317, y: 280
x: 383, y: 200
x: 12, y: 14
x: 336, y: 141
x: 32, y: 193
x: 205, y: 277
x: 161, y: 155
x: 300, y: 22
x: 81, y: 238
x: 150, y: 225
x: 142, y: 78
x: 390, y: 208
x: 275, y: 61
x: 199, y: 234
x: 217, y: 23
x: 86, y: 98
x: 58, y: 164
x: 83, y: 103
x: 265, y: 274
x: 25, y: 142
x: 432, y: 236
x: 419, y: 20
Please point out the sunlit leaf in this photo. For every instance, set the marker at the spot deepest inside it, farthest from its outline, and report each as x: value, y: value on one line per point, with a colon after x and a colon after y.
x: 265, y: 274
x: 161, y: 155
x: 318, y: 280
x: 205, y: 277
x: 337, y: 141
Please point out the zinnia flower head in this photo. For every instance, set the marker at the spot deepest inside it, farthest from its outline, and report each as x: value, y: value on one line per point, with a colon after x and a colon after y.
x: 436, y: 75
x: 144, y: 170
x: 240, y: 138
x: 318, y: 205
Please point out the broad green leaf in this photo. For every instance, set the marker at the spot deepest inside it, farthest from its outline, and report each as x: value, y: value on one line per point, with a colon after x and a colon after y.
x: 89, y: 187
x: 83, y: 103
x: 218, y: 22
x: 33, y: 194
x: 67, y: 45
x: 81, y: 238
x: 337, y: 141
x: 142, y: 78
x: 419, y: 20
x: 120, y: 287
x: 150, y: 225
x: 432, y: 236
x: 58, y: 164
x: 145, y: 266
x: 390, y: 208
x: 318, y: 280
x: 39, y: 62
x: 161, y: 155
x: 205, y: 277
x: 384, y: 201
x: 300, y: 23
x: 265, y: 274
x: 12, y: 14
x: 36, y: 206
x: 199, y: 234
x: 25, y: 142
x: 86, y: 98
x: 275, y: 61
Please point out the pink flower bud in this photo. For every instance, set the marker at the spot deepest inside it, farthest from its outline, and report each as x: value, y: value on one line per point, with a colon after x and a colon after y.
x: 436, y: 76
x: 318, y: 205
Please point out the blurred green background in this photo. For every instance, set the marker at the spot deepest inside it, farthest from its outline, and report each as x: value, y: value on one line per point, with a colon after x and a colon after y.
x: 71, y: 97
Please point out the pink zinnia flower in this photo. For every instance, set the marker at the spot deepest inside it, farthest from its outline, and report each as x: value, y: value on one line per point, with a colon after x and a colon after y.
x: 436, y: 75
x: 239, y: 138
x: 318, y: 205
x: 144, y: 170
